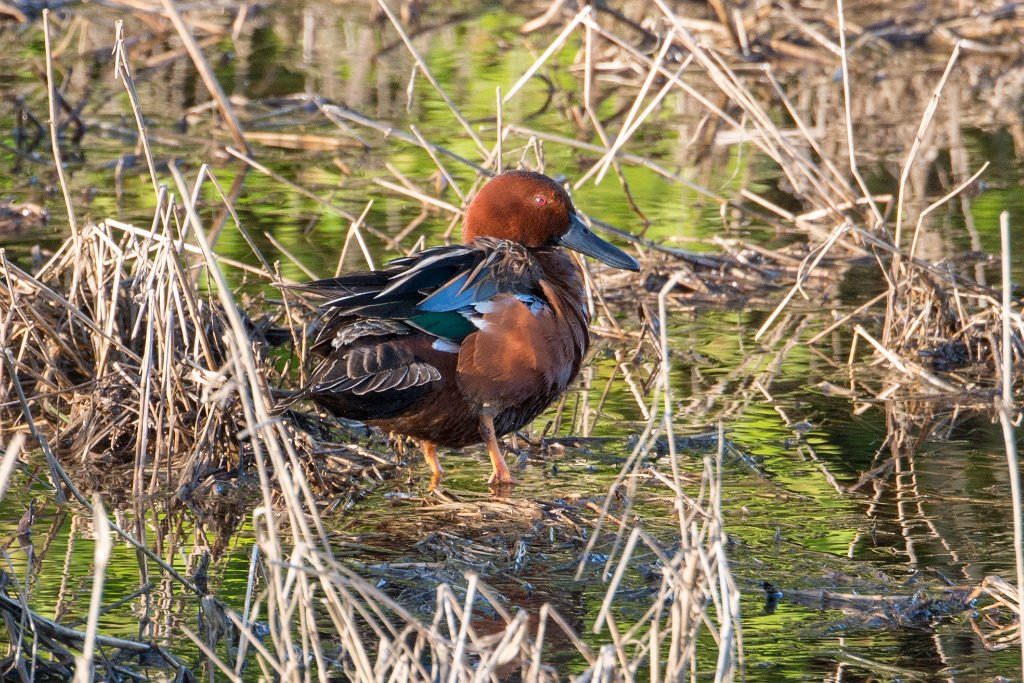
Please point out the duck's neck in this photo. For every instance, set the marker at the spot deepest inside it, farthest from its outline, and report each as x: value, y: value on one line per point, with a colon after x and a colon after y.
x: 564, y: 287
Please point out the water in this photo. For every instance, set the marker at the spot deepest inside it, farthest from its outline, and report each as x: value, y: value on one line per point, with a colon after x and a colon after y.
x: 792, y: 512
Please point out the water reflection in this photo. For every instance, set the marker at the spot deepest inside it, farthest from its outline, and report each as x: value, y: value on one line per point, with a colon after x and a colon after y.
x: 817, y: 496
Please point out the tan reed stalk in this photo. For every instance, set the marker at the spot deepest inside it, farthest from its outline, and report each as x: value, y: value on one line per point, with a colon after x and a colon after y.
x: 227, y: 112
x: 819, y: 253
x: 926, y: 121
x: 624, y: 156
x: 583, y: 14
x: 419, y: 196
x: 122, y: 69
x: 11, y: 452
x: 1006, y: 421
x: 430, y: 77
x: 51, y: 92
x: 432, y: 153
x: 84, y: 670
x: 335, y: 114
x: 851, y: 149
x: 384, y: 237
x: 631, y: 123
x: 938, y: 203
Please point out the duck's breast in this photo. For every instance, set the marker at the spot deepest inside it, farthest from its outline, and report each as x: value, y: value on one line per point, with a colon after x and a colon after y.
x: 526, y: 350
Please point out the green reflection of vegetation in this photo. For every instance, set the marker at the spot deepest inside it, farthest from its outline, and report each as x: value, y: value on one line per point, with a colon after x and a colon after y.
x: 787, y: 522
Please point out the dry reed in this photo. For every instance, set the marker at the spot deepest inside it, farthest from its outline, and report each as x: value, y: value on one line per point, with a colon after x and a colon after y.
x: 128, y: 345
x: 128, y: 352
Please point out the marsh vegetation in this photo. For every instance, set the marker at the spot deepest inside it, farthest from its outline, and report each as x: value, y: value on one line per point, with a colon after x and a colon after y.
x: 791, y: 455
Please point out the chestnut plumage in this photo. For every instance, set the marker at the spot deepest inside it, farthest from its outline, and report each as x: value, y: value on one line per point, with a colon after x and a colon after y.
x: 461, y: 344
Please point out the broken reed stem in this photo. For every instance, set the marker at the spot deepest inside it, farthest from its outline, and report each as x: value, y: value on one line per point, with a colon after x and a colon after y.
x: 846, y: 318
x: 908, y: 368
x: 63, y: 633
x: 665, y: 382
x: 844, y: 190
x: 847, y: 109
x: 430, y: 77
x: 926, y: 121
x: 51, y: 96
x: 559, y: 40
x: 212, y: 656
x: 941, y: 202
x: 499, y: 152
x: 1006, y: 421
x: 334, y: 113
x: 11, y: 453
x: 227, y: 112
x: 122, y: 70
x: 1004, y: 236
x: 839, y: 231
x: 430, y: 150
x: 632, y: 122
x: 245, y: 157
x: 7, y: 357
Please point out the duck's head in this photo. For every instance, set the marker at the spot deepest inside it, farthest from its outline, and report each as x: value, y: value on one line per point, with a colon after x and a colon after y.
x: 535, y: 211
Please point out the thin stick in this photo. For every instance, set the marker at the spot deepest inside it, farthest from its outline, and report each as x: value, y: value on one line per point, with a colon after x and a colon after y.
x: 429, y: 149
x: 851, y: 148
x: 422, y: 197
x: 212, y: 656
x: 334, y: 113
x: 123, y: 72
x: 292, y: 186
x: 460, y: 645
x: 926, y: 121
x: 628, y: 127
x: 84, y: 671
x: 498, y: 152
x: 51, y: 94
x: 51, y: 459
x: 430, y: 77
x: 384, y: 237
x: 1004, y: 235
x: 62, y: 632
x: 14, y: 447
x: 802, y: 277
x: 555, y: 44
x: 852, y: 314
x: 1006, y: 420
x: 635, y: 159
x: 907, y: 368
x: 936, y: 204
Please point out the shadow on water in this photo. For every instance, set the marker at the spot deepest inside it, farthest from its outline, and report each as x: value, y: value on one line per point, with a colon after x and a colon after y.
x: 821, y: 492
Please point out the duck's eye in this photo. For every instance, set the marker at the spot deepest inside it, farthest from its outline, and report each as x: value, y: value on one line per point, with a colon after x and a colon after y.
x: 540, y: 200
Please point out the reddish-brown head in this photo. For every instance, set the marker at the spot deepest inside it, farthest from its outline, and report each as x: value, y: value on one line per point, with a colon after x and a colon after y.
x: 535, y: 211
x: 520, y: 206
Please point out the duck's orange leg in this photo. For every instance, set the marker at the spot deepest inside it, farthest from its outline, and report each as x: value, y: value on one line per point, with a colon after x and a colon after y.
x: 430, y: 455
x: 499, y: 470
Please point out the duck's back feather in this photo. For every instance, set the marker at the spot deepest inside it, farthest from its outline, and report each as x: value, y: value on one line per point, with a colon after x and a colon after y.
x: 391, y: 333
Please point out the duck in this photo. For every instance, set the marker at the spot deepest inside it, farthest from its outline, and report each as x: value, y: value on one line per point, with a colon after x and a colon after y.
x: 464, y: 343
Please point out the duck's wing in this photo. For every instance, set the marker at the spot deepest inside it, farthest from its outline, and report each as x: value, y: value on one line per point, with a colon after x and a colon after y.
x: 440, y: 291
x: 391, y: 332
